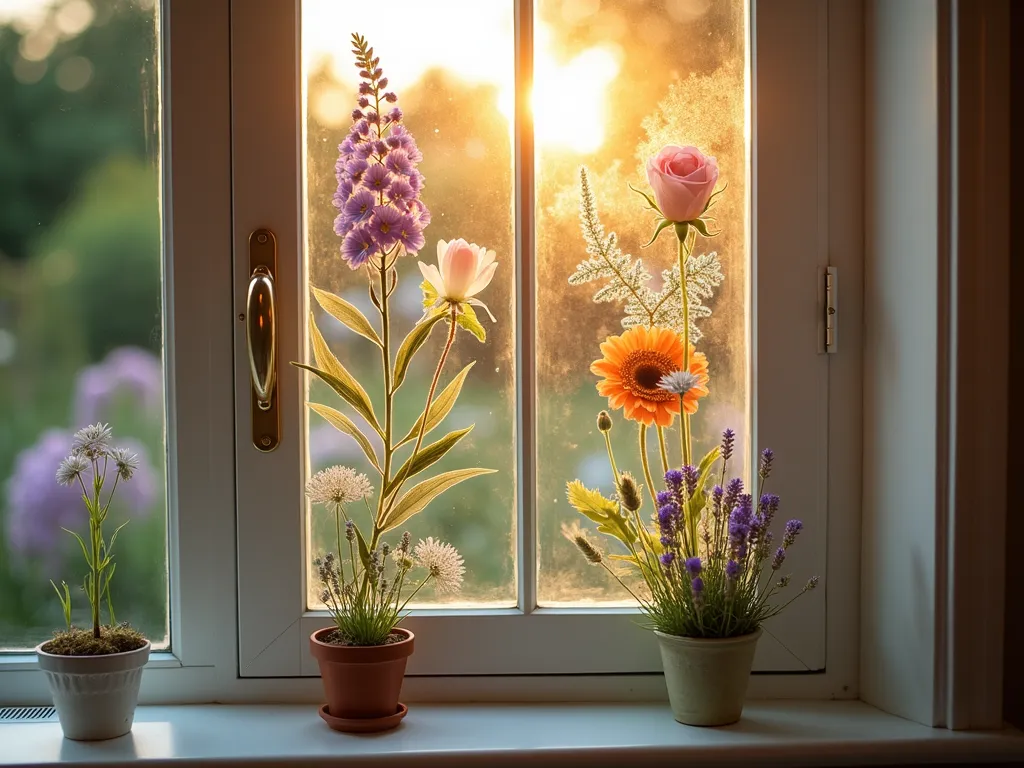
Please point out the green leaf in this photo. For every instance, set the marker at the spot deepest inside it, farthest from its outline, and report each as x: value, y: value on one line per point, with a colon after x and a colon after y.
x: 109, y: 548
x: 364, y: 551
x: 602, y: 511
x: 661, y: 227
x: 85, y: 551
x: 709, y: 459
x: 419, y: 496
x: 430, y: 294
x: 425, y: 457
x: 695, y: 504
x: 417, y: 336
x: 441, y: 406
x: 348, y: 314
x: 468, y: 320
x: 339, y: 379
x: 343, y: 423
x: 702, y: 226
x: 648, y: 198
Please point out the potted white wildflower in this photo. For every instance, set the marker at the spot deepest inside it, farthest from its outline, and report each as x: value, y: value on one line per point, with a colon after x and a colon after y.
x: 94, y: 673
x: 362, y: 657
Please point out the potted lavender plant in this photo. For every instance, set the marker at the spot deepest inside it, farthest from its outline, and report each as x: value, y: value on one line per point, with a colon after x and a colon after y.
x: 94, y: 674
x: 366, y: 583
x: 708, y: 575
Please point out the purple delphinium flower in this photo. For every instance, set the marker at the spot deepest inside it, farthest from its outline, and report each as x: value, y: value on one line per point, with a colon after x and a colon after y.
x: 732, y: 569
x: 399, y: 163
x: 384, y: 225
x: 377, y: 179
x: 37, y: 506
x: 664, y: 497
x: 410, y: 233
x: 359, y: 207
x: 125, y: 373
x: 765, y: 466
x: 767, y: 506
x: 359, y: 245
x: 667, y: 558
x: 779, y: 559
x: 793, y: 527
x: 697, y: 586
x: 693, y: 566
x: 674, y: 479
x: 376, y: 151
x: 728, y: 440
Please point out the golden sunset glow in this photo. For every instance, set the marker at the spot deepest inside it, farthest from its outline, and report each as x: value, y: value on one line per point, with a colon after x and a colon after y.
x: 570, y: 97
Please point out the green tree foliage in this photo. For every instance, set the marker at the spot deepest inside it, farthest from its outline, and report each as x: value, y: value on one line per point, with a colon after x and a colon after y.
x: 50, y: 136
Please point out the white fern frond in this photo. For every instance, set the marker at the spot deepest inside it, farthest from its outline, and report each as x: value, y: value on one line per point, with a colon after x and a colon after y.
x: 627, y: 277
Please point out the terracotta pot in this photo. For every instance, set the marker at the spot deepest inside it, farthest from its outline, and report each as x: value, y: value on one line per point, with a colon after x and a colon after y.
x: 95, y: 696
x: 707, y: 678
x: 361, y: 681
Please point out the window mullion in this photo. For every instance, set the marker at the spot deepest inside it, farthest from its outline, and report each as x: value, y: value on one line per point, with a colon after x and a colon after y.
x: 526, y: 384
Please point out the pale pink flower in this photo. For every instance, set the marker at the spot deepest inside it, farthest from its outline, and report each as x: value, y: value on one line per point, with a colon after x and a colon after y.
x: 683, y: 179
x: 463, y: 270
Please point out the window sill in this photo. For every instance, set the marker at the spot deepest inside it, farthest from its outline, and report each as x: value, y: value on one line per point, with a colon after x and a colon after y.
x: 789, y: 733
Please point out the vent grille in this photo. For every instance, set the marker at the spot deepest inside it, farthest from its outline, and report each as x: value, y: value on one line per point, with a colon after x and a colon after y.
x: 27, y: 714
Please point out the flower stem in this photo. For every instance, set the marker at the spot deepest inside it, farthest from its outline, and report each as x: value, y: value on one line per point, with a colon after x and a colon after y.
x: 611, y: 456
x: 644, y: 461
x: 661, y: 448
x: 684, y: 433
x: 426, y: 410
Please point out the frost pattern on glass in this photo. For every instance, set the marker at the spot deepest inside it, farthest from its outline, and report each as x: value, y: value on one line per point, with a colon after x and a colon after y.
x: 454, y: 101
x: 625, y: 78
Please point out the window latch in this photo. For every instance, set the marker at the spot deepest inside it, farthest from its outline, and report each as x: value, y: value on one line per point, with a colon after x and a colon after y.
x: 831, y: 278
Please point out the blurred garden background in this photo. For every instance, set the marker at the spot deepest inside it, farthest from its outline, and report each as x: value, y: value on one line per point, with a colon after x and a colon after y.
x: 80, y: 294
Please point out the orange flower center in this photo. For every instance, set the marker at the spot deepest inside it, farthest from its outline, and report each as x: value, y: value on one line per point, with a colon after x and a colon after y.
x: 642, y: 370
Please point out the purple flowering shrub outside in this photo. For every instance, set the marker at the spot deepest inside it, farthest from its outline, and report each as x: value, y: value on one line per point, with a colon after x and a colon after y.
x: 126, y: 387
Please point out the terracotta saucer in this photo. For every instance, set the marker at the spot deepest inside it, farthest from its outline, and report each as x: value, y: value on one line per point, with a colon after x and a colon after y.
x: 364, y: 724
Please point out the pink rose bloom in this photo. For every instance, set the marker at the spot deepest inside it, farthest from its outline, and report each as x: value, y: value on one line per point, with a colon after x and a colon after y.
x: 683, y: 179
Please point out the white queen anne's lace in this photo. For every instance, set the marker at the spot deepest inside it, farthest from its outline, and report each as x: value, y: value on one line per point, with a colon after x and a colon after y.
x: 338, y: 485
x: 443, y: 562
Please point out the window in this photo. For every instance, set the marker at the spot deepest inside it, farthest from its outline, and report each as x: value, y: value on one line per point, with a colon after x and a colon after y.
x: 81, y: 329
x: 251, y: 118
x: 604, y: 96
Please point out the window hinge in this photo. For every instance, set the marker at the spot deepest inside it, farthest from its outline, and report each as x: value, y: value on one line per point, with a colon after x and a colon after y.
x: 831, y: 279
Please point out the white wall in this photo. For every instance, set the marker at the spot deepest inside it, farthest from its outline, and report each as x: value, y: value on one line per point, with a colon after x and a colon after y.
x: 901, y: 358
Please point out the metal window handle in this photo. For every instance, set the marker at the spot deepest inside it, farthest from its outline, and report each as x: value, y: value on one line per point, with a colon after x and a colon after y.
x: 261, y: 335
x: 260, y: 318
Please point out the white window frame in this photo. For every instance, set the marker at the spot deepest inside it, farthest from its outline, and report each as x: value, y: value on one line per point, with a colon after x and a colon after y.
x: 790, y: 235
x: 203, y: 665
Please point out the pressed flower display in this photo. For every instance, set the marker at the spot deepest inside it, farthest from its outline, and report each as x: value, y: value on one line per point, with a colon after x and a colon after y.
x: 80, y: 304
x: 444, y: 171
x: 659, y: 73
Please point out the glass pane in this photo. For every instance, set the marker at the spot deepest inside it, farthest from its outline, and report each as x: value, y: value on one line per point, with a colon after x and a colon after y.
x: 455, y: 102
x: 616, y: 81
x: 80, y: 302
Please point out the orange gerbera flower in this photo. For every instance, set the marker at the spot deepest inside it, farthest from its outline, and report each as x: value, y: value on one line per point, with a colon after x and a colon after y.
x: 635, y: 362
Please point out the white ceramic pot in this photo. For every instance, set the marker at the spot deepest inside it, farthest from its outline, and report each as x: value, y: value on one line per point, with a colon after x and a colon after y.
x: 95, y: 696
x: 707, y: 678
